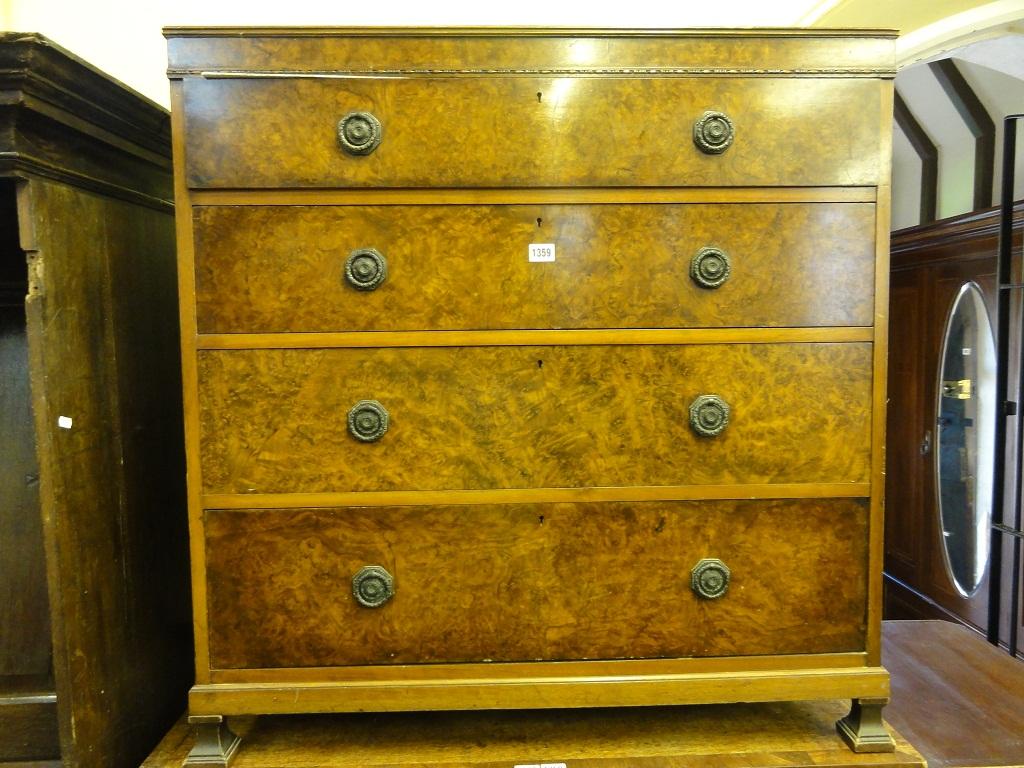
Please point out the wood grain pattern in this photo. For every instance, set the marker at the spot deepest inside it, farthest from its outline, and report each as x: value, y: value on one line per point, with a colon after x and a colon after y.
x: 85, y: 164
x: 521, y: 400
x: 879, y: 363
x: 273, y: 421
x: 25, y: 647
x: 432, y: 673
x: 528, y: 196
x: 338, y: 49
x: 100, y: 322
x: 492, y: 690
x: 553, y: 337
x: 486, y: 132
x: 955, y: 695
x: 777, y: 735
x: 190, y: 384
x: 281, y: 269
x: 930, y: 264
x: 29, y: 733
x: 535, y: 582
x: 540, y: 495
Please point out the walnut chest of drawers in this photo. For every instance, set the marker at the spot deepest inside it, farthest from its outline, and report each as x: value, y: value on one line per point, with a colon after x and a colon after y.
x: 533, y: 368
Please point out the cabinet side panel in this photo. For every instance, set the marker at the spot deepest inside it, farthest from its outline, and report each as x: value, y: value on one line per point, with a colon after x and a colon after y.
x: 107, y: 414
x: 189, y: 382
x: 881, y: 350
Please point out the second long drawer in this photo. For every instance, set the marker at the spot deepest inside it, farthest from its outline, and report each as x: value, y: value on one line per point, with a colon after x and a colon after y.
x: 280, y: 421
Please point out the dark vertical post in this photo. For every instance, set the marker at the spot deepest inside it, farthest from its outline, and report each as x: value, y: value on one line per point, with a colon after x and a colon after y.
x: 928, y: 154
x: 1006, y: 408
x: 978, y: 122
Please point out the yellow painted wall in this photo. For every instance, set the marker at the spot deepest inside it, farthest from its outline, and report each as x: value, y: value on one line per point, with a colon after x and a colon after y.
x: 902, y: 15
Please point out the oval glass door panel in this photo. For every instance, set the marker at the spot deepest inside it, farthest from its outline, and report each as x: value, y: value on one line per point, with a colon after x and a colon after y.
x: 965, y: 438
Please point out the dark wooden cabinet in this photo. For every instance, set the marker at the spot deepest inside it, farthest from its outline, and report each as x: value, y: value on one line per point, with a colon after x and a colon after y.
x: 94, y: 608
x: 929, y: 265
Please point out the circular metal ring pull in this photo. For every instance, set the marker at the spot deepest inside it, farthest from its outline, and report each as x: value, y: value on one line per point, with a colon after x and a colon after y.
x: 359, y: 133
x: 710, y: 578
x: 372, y: 586
x: 366, y: 269
x: 710, y: 267
x: 368, y: 421
x: 709, y: 415
x: 713, y: 133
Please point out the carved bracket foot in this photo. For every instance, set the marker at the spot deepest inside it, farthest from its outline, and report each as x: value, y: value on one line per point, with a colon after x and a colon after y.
x: 215, y: 743
x: 863, y: 729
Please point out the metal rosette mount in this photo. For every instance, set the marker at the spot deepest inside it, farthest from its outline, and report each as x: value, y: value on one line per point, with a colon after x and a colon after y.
x: 372, y: 586
x: 709, y: 415
x: 366, y: 269
x: 709, y: 578
x: 368, y: 420
x: 359, y: 133
x: 713, y: 133
x: 710, y: 267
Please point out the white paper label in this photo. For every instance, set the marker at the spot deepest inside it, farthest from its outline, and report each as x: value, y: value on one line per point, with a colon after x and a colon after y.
x: 542, y: 252
x: 64, y: 422
x: 540, y: 765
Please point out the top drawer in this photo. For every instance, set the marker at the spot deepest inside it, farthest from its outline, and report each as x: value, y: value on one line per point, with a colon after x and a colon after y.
x: 526, y: 131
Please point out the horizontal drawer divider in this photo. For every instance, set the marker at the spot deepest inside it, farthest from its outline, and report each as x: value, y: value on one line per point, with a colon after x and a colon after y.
x: 537, y: 195
x: 535, y: 495
x: 500, y: 338
x: 434, y: 672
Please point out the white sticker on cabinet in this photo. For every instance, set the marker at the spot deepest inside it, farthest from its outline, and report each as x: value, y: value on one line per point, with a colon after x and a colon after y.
x: 542, y: 252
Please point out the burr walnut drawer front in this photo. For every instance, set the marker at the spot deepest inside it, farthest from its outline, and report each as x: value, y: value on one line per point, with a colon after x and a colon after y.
x: 437, y: 418
x: 465, y: 267
x: 530, y: 131
x: 406, y: 585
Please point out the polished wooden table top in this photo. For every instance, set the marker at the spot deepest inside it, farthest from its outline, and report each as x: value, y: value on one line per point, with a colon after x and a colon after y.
x: 791, y: 734
x: 956, y: 698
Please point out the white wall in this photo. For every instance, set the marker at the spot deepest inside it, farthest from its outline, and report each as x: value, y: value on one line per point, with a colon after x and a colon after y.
x: 1002, y: 95
x: 906, y: 182
x: 123, y: 38
x: 940, y: 120
x: 1000, y: 92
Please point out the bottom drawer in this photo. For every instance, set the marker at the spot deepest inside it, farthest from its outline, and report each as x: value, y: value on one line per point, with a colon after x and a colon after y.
x: 524, y: 582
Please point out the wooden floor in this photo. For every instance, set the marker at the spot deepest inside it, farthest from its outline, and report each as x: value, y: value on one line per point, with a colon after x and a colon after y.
x: 956, y: 698
x: 959, y: 700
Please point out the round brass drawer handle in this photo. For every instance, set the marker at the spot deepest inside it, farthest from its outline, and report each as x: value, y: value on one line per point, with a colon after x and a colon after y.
x: 366, y: 269
x: 368, y: 421
x: 709, y: 415
x: 710, y: 267
x: 372, y: 586
x: 710, y: 578
x: 713, y: 133
x: 359, y: 133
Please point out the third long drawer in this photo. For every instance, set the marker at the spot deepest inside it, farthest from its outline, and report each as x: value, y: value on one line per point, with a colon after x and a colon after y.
x: 494, y: 417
